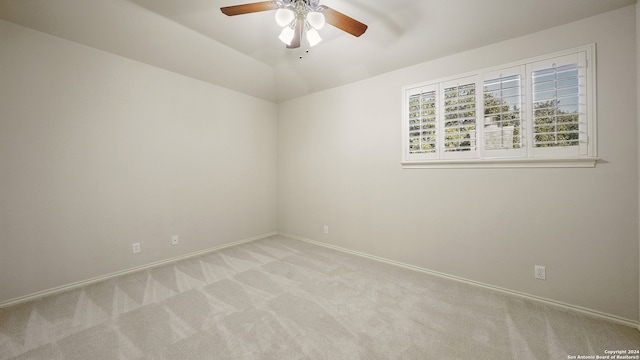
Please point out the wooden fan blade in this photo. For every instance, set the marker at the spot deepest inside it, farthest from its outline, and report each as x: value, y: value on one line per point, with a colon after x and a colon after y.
x: 249, y: 8
x: 343, y: 22
x: 297, y: 35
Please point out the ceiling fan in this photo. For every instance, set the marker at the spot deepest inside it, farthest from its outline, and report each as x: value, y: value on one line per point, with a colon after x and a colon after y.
x: 300, y: 17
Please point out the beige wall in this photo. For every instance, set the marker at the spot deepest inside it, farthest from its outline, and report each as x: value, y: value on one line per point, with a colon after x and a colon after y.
x: 98, y: 152
x: 339, y: 164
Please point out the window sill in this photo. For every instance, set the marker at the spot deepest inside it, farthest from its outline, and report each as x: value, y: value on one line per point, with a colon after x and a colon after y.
x: 585, y: 162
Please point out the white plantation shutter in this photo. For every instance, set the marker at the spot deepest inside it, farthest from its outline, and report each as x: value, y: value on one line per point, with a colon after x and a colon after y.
x: 533, y: 113
x: 502, y: 130
x: 459, y: 112
x: 422, y: 123
x: 558, y: 111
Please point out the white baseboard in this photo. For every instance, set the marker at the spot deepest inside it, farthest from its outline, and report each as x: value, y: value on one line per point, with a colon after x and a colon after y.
x: 78, y: 284
x: 575, y: 308
x: 579, y: 309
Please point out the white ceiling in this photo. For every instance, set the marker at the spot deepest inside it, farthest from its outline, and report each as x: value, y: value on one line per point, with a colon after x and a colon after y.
x: 243, y: 53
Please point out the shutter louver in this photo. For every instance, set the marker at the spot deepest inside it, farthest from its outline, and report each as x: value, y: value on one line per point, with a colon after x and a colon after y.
x: 460, y: 118
x: 556, y: 106
x: 502, y: 113
x: 422, y: 123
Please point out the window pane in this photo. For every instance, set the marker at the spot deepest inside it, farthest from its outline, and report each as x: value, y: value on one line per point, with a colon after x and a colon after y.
x: 460, y: 117
x: 502, y: 108
x: 422, y: 116
x: 556, y: 93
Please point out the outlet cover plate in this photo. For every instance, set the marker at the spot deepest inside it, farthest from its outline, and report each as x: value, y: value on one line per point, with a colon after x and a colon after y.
x: 540, y: 272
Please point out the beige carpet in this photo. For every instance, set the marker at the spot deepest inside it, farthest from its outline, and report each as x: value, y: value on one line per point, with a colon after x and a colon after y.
x: 279, y: 298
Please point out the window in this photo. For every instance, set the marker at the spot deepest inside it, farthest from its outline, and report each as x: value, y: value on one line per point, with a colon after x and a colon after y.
x: 422, y: 122
x: 459, y: 113
x: 502, y: 113
x: 540, y: 112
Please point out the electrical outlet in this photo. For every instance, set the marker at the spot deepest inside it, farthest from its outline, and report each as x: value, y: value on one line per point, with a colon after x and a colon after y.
x: 325, y: 229
x: 136, y: 248
x: 174, y: 240
x: 540, y: 272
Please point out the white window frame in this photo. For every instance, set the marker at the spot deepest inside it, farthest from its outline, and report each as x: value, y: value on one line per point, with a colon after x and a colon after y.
x: 527, y: 155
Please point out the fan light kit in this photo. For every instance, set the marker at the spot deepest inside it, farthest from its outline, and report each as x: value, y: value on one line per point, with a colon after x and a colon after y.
x: 290, y: 14
x: 300, y: 19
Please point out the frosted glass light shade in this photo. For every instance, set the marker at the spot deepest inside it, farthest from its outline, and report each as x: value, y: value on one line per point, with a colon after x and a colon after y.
x: 284, y: 16
x: 313, y: 37
x: 315, y: 19
x: 286, y: 35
